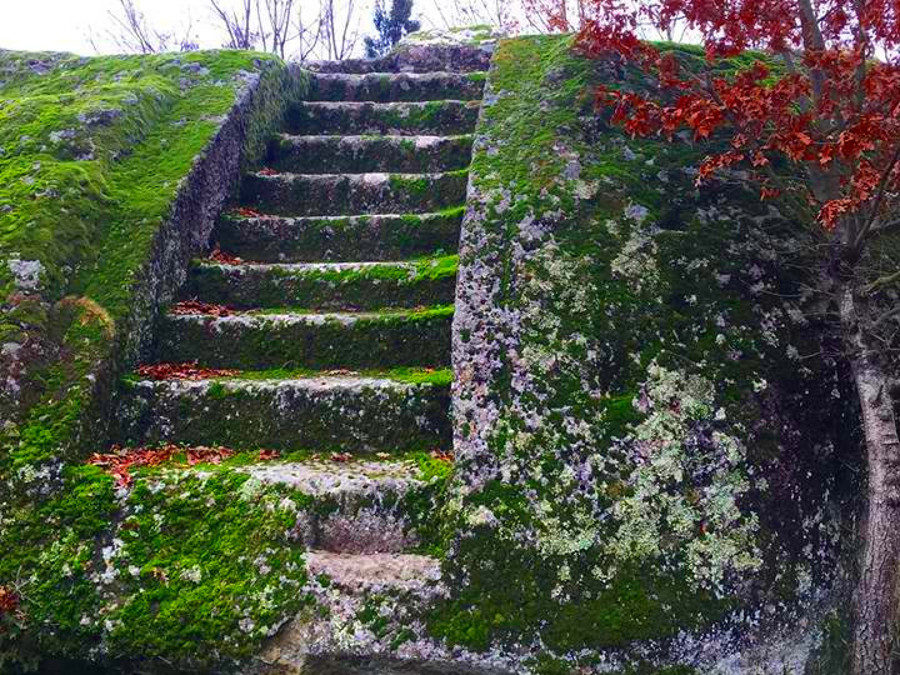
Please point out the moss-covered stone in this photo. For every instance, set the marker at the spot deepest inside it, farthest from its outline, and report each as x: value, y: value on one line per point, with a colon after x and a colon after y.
x: 283, y: 339
x: 633, y: 405
x: 367, y: 154
x: 385, y: 87
x: 429, y: 281
x: 325, y: 412
x: 341, y: 238
x: 352, y: 194
x: 440, y: 118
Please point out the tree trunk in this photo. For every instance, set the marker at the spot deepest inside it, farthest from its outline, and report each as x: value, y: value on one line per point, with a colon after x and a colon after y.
x: 875, y: 603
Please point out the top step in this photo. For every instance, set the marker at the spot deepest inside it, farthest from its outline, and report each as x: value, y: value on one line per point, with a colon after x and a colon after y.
x: 416, y: 59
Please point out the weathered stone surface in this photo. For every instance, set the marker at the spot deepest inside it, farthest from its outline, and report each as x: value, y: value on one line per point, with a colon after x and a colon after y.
x: 328, y: 412
x: 367, y: 154
x: 377, y: 237
x: 361, y: 507
x: 293, y: 194
x: 371, y: 285
x: 639, y: 445
x: 284, y: 340
x: 431, y: 86
x: 418, y: 59
x: 439, y: 118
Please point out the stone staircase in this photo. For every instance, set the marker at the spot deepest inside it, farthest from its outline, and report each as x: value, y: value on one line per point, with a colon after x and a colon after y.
x: 338, y: 273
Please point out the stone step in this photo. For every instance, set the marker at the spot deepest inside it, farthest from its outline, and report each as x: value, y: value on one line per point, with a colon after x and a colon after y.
x: 347, y: 285
x: 340, y: 238
x: 366, y: 606
x: 320, y: 412
x: 295, y: 194
x: 357, y: 507
x: 364, y: 154
x: 290, y: 340
x: 439, y: 118
x: 417, y: 58
x: 367, y: 572
x: 387, y: 86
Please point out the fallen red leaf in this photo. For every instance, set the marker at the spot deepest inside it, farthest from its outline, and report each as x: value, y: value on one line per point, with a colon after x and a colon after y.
x: 9, y: 600
x: 247, y: 213
x: 219, y: 256
x: 442, y: 455
x: 119, y: 460
x: 182, y: 371
x: 198, y: 307
x: 268, y: 454
x: 341, y: 457
x: 266, y: 171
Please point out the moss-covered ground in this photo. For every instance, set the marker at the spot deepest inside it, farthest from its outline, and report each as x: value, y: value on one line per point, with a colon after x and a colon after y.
x: 92, y: 154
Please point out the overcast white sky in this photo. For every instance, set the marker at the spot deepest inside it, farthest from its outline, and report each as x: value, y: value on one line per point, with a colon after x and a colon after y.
x: 64, y: 25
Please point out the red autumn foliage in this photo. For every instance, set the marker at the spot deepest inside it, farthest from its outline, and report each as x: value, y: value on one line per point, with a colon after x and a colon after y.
x: 265, y: 455
x: 830, y: 106
x: 9, y: 601
x: 341, y: 457
x: 442, y: 455
x: 266, y: 171
x: 182, y: 371
x: 198, y: 307
x: 219, y: 256
x: 120, y: 460
x: 247, y: 213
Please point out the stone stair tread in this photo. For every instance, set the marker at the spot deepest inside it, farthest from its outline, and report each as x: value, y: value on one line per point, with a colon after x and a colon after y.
x: 328, y: 286
x: 385, y: 237
x: 387, y: 105
x: 362, y: 216
x: 306, y: 267
x: 312, y: 379
x: 438, y: 117
x: 322, y: 477
x: 421, y: 140
x: 367, y: 153
x: 374, y: 571
x: 394, y: 86
x: 312, y: 194
x: 308, y: 316
x: 363, y: 177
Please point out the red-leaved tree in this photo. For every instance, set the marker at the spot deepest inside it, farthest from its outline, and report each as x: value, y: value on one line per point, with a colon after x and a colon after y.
x: 823, y: 106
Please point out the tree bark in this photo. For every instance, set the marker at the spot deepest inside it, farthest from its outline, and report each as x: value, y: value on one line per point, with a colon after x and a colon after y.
x: 875, y: 602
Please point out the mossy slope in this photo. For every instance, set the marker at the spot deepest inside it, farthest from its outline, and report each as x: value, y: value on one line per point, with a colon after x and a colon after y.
x: 95, y: 158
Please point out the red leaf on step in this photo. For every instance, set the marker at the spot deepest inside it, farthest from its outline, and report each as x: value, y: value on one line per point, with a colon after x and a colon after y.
x: 442, y: 455
x: 223, y: 258
x: 182, y: 371
x: 266, y: 171
x: 247, y: 213
x: 197, y: 307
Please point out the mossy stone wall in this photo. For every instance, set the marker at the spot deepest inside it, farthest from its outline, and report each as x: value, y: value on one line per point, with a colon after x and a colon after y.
x: 651, y: 451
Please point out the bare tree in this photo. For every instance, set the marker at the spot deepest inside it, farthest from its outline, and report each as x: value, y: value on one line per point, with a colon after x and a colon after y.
x: 238, y: 24
x: 130, y: 31
x: 499, y: 14
x: 274, y: 21
x: 308, y: 33
x: 340, y: 28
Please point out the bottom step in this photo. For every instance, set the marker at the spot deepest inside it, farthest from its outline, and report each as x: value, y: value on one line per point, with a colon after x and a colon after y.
x: 370, y: 620
x: 328, y: 412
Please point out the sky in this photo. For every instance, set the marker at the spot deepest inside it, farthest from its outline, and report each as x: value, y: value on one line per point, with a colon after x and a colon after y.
x: 65, y: 25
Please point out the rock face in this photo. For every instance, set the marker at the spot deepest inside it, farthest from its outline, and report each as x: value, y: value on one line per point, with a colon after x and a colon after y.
x: 648, y: 464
